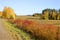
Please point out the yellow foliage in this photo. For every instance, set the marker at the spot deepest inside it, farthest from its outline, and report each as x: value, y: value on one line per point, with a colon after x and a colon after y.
x: 9, y: 13
x: 46, y: 15
x: 54, y: 14
x: 58, y: 17
x: 0, y: 14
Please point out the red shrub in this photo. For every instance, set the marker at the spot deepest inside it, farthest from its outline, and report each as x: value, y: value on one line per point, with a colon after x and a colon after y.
x: 40, y: 30
x: 19, y: 23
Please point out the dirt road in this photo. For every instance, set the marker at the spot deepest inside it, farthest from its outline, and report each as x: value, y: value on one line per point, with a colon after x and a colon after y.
x: 4, y: 35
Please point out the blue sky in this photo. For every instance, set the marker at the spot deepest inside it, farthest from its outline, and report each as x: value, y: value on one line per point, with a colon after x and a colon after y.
x: 29, y: 7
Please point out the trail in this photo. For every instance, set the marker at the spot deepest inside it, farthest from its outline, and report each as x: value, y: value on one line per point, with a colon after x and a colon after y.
x: 4, y: 35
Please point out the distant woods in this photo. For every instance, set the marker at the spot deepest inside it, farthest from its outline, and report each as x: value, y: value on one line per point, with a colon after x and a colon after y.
x: 49, y: 14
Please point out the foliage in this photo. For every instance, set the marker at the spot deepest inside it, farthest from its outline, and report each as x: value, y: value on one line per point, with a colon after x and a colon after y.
x: 0, y: 14
x: 49, y: 14
x: 46, y: 14
x: 40, y: 31
x: 8, y: 13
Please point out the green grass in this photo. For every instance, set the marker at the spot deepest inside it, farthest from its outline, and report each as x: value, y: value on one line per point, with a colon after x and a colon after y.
x: 12, y: 28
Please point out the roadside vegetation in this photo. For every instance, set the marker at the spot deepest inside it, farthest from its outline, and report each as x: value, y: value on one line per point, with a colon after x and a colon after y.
x: 38, y: 30
x: 17, y: 33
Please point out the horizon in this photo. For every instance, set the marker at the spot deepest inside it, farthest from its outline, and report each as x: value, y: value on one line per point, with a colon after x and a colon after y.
x: 25, y: 7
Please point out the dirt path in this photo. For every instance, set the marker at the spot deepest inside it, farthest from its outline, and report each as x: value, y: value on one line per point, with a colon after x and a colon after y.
x: 4, y: 35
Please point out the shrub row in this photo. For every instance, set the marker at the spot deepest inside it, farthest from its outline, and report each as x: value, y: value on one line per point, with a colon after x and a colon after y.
x: 38, y: 30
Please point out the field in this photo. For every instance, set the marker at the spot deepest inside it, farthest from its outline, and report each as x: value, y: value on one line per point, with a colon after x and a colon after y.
x: 40, y: 29
x: 54, y: 22
x: 31, y: 28
x: 28, y: 17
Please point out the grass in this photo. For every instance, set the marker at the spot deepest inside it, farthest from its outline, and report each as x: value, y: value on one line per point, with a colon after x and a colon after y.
x: 28, y: 17
x: 16, y: 33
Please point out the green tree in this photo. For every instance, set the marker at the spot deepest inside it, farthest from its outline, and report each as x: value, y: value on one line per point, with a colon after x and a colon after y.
x: 58, y: 17
x: 54, y: 14
x: 46, y: 14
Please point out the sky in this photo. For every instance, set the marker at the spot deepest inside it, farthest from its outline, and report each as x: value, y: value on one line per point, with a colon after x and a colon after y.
x: 29, y: 7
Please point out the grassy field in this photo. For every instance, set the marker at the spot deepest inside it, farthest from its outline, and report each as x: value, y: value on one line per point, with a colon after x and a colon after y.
x: 37, y: 19
x: 28, y: 17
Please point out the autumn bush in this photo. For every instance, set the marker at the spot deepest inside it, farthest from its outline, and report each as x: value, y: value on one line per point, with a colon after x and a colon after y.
x: 38, y: 30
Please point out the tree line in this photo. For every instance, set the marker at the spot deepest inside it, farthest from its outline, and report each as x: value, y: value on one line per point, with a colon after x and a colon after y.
x: 49, y: 14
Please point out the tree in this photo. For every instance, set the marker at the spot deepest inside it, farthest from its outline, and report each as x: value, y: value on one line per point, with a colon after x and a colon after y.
x: 54, y: 14
x: 8, y: 13
x: 58, y: 17
x: 1, y: 14
x: 45, y: 14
